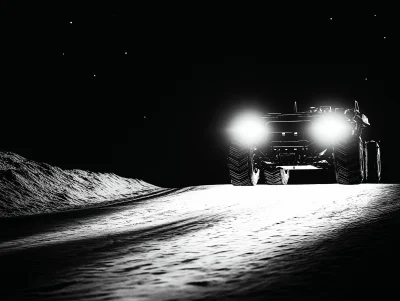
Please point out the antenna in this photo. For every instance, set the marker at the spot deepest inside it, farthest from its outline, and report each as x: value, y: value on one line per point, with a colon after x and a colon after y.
x: 356, y: 107
x: 295, y: 107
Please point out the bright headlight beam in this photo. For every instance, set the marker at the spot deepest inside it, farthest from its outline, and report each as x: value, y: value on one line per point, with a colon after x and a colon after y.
x: 328, y: 128
x: 249, y: 129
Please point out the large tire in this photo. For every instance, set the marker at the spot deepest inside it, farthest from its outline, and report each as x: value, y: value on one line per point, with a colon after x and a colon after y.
x: 241, y: 166
x: 278, y: 176
x: 373, y: 163
x: 349, y: 161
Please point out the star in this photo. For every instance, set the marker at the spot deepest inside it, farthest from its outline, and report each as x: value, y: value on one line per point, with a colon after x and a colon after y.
x: 144, y: 117
x: 374, y: 15
x: 366, y: 78
x: 94, y: 75
x: 330, y: 19
x: 70, y: 22
x: 63, y: 53
x: 384, y: 38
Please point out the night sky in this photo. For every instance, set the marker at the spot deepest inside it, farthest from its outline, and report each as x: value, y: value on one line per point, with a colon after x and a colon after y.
x: 147, y: 91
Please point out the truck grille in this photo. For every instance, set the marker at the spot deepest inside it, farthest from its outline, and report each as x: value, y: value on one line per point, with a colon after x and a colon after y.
x: 289, y: 133
x: 287, y: 157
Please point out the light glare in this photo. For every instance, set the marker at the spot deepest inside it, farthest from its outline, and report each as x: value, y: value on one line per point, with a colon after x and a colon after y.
x: 329, y: 128
x: 249, y: 129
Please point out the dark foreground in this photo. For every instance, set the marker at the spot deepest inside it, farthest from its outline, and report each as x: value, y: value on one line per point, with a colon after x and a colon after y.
x: 296, y: 242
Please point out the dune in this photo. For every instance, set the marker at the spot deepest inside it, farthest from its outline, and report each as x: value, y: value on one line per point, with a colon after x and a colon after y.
x: 28, y: 187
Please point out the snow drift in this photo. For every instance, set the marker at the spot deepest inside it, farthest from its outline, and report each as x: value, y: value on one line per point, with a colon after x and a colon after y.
x: 28, y: 187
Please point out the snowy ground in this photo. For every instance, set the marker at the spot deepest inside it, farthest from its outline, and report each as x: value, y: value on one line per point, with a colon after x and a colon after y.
x: 299, y: 242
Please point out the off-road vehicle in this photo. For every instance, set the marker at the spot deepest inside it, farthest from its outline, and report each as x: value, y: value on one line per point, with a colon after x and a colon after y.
x: 318, y: 138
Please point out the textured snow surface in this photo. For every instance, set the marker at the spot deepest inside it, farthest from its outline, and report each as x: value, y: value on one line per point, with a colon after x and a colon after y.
x: 28, y: 187
x: 217, y: 242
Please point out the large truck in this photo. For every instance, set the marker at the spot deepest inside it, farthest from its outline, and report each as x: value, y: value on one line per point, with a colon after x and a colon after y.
x: 322, y: 137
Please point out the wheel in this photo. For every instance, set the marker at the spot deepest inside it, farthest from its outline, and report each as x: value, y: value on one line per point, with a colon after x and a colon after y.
x: 242, y: 171
x: 349, y: 161
x: 373, y: 163
x: 278, y: 176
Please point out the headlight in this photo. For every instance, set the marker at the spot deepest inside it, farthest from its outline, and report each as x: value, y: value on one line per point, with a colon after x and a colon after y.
x: 330, y: 127
x: 249, y: 129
